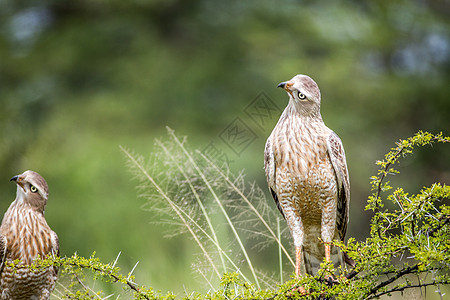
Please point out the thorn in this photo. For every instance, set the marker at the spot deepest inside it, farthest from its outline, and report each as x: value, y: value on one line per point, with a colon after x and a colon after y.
x: 132, y: 271
x: 117, y: 258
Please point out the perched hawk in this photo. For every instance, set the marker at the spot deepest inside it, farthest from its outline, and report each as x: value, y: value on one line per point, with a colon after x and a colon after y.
x: 24, y: 235
x: 307, y: 174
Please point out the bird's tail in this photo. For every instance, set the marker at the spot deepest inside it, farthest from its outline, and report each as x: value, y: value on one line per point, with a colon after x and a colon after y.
x: 312, y: 263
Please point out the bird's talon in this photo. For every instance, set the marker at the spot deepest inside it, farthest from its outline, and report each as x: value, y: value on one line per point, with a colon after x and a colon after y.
x: 297, y: 289
x: 331, y: 280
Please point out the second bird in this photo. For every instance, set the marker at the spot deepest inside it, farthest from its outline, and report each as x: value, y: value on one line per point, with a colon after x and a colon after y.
x: 25, y: 235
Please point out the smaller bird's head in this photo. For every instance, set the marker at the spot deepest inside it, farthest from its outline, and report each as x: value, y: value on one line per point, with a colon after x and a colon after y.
x: 304, y: 93
x: 31, y: 189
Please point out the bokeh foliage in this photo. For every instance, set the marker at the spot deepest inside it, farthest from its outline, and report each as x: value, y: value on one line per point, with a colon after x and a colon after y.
x: 80, y: 78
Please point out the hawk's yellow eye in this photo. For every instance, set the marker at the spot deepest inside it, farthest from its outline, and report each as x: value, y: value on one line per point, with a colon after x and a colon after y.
x: 301, y: 96
x: 33, y: 189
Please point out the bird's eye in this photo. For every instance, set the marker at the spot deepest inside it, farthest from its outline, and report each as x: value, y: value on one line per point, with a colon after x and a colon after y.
x: 33, y: 189
x: 301, y: 96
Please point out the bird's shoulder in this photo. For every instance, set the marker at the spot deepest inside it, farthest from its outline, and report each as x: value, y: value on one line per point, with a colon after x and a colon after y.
x: 337, y: 154
x: 334, y: 141
x: 55, y: 242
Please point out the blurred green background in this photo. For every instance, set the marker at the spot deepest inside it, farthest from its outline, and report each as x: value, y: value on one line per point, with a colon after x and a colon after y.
x: 80, y: 78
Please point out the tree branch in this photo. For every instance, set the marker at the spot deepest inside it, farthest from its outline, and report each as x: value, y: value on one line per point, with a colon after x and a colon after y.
x: 392, y: 279
x: 432, y: 231
x: 130, y: 284
x: 383, y: 175
x: 399, y: 289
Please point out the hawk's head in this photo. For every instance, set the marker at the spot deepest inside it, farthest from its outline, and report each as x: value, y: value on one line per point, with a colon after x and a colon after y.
x: 304, y: 93
x: 31, y: 189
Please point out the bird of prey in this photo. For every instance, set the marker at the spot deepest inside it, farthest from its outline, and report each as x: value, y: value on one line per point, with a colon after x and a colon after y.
x: 306, y: 171
x: 25, y: 235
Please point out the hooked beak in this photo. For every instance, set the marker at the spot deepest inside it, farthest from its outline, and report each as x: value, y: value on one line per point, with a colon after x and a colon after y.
x: 286, y: 85
x: 281, y: 85
x: 17, y: 179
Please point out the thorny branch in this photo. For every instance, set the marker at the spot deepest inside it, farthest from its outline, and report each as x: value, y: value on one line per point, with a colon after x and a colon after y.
x: 392, y: 279
x: 432, y: 231
x: 380, y: 182
x: 115, y: 278
x: 400, y: 289
x: 403, y: 272
x: 384, y: 173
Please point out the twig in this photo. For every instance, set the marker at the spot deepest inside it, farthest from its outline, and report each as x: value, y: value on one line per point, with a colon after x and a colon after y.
x: 392, y: 279
x: 432, y: 231
x: 399, y: 289
x: 85, y: 287
x: 130, y: 284
x: 383, y: 175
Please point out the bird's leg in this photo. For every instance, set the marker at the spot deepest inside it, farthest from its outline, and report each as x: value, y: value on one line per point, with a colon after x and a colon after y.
x: 296, y: 228
x: 298, y: 260
x: 330, y: 278
x: 327, y: 252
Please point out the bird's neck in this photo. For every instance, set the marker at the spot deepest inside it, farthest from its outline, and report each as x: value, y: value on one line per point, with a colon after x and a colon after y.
x: 306, y: 112
x: 21, y: 201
